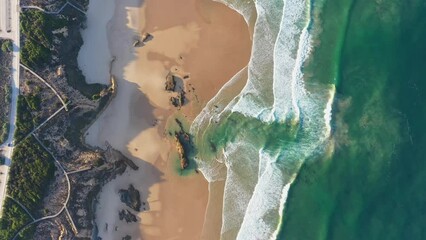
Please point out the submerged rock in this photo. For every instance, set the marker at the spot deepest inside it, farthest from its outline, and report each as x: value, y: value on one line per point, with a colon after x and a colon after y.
x: 131, y: 197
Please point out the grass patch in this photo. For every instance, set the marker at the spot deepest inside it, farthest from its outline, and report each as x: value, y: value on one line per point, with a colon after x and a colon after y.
x: 4, y: 132
x: 14, y: 218
x: 24, y: 121
x: 36, y: 28
x: 31, y: 171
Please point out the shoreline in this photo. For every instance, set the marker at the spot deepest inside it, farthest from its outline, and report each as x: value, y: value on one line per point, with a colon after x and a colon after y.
x: 139, y: 130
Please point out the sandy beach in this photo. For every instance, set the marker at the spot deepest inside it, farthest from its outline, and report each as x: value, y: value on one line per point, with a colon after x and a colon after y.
x: 201, y: 39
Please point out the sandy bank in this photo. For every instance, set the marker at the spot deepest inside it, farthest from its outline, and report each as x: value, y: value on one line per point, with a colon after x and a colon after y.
x: 199, y: 38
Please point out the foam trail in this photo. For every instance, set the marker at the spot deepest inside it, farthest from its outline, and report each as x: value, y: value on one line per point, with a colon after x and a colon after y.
x: 328, y: 109
x: 214, y: 169
x: 261, y: 156
x: 256, y: 99
x: 289, y: 55
x: 241, y: 163
x: 288, y: 76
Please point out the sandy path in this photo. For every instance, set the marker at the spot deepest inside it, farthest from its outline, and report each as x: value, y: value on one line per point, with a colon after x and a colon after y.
x: 201, y: 38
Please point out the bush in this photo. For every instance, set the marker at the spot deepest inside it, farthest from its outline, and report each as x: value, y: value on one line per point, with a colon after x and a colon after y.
x: 36, y: 28
x: 30, y: 173
x: 34, y: 102
x: 7, y: 46
x: 24, y: 120
x: 4, y: 132
x: 13, y: 219
x: 96, y: 96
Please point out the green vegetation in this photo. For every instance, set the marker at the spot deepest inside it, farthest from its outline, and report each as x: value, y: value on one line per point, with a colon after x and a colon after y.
x: 5, y: 90
x: 34, y: 102
x: 81, y: 121
x: 7, y: 46
x: 24, y: 121
x: 96, y: 96
x: 68, y: 53
x: 14, y: 218
x: 7, y: 94
x: 36, y: 28
x: 31, y: 171
x: 4, y: 132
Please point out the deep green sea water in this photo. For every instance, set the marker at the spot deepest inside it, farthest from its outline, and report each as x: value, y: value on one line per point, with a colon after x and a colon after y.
x: 374, y: 184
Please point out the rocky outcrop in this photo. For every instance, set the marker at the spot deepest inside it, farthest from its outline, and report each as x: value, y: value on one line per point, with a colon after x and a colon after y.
x: 170, y: 83
x: 182, y: 153
x: 115, y: 155
x: 131, y: 197
x: 179, y: 100
x: 147, y: 37
x: 127, y: 216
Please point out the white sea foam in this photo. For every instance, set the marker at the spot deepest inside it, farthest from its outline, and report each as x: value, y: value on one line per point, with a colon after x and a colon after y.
x: 328, y: 110
x: 258, y: 180
x: 288, y: 76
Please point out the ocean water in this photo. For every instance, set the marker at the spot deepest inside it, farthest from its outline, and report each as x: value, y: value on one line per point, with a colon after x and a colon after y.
x: 326, y: 139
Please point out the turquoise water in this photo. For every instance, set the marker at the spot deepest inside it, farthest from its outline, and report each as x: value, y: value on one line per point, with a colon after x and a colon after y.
x: 327, y: 138
x: 373, y: 187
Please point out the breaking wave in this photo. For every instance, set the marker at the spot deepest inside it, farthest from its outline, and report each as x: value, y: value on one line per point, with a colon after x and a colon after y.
x: 265, y: 122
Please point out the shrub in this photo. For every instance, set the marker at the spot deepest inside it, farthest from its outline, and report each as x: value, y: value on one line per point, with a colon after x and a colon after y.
x: 7, y: 46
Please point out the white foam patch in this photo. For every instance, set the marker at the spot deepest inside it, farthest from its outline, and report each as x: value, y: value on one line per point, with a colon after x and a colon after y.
x: 291, y: 50
x: 257, y: 181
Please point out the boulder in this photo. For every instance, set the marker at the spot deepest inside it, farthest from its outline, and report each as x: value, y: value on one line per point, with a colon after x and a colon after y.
x: 127, y: 216
x: 170, y: 83
x: 131, y: 198
x: 182, y: 155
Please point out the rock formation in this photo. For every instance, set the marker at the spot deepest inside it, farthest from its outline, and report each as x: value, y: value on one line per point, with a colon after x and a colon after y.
x: 127, y: 215
x: 131, y: 197
x: 181, y: 150
x: 170, y: 83
x: 147, y: 37
x: 179, y: 100
x: 115, y: 155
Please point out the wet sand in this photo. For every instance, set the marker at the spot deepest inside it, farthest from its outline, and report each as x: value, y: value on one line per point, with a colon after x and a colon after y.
x: 200, y: 38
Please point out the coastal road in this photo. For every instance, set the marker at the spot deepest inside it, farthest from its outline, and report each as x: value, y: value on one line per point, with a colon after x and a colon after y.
x: 9, y: 15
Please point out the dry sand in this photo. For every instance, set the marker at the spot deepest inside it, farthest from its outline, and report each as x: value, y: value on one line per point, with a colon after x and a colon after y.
x: 201, y: 38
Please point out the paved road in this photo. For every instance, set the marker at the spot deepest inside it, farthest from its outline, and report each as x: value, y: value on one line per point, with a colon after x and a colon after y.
x: 14, y: 34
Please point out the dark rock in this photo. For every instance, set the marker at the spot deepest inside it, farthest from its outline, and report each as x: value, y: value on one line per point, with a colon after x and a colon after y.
x: 170, y: 83
x: 137, y: 43
x: 127, y: 237
x: 147, y: 37
x: 131, y: 198
x: 182, y: 154
x: 178, y: 101
x: 127, y: 215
